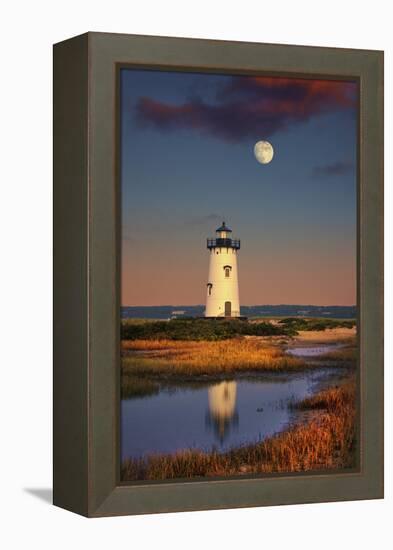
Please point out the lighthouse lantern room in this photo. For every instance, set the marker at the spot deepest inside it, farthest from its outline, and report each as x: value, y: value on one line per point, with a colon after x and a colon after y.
x: 222, y: 295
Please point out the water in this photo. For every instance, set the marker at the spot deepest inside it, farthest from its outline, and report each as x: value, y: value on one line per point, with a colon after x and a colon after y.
x: 215, y: 416
x: 312, y: 351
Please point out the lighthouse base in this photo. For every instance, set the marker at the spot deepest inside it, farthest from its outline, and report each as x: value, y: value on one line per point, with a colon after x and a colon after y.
x: 222, y: 318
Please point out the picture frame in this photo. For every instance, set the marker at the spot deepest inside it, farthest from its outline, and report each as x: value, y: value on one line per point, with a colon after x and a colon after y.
x: 86, y: 386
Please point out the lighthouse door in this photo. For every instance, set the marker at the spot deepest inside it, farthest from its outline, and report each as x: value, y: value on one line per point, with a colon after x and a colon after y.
x: 228, y: 309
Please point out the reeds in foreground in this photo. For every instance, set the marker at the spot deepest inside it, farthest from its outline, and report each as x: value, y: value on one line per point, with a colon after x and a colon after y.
x: 347, y: 354
x: 327, y: 442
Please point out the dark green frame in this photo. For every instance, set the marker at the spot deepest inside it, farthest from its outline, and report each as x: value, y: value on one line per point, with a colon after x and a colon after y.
x: 86, y: 269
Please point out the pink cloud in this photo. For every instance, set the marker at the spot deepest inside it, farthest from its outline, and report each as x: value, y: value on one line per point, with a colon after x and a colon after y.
x: 249, y: 106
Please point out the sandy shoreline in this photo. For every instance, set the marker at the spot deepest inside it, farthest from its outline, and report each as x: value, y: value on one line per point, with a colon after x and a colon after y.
x: 326, y: 336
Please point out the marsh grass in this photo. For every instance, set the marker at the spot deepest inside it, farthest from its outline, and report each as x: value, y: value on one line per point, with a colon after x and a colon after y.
x: 327, y: 442
x: 347, y: 354
x: 135, y: 386
x: 315, y: 324
x: 188, y: 358
x: 333, y: 400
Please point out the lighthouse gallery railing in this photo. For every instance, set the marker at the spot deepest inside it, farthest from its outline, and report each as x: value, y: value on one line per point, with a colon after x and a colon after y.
x: 224, y: 243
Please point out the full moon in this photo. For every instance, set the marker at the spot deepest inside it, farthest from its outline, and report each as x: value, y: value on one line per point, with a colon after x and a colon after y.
x: 263, y: 152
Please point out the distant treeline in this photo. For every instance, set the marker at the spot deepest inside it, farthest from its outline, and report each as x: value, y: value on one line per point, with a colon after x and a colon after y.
x: 170, y: 311
x: 209, y: 329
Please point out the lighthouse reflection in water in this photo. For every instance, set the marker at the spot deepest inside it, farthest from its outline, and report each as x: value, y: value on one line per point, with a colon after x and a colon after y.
x: 222, y: 415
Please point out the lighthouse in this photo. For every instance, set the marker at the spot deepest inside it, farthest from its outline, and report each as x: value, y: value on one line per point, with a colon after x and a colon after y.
x: 222, y: 294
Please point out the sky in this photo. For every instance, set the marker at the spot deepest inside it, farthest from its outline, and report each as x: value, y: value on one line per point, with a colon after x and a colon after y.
x: 187, y: 164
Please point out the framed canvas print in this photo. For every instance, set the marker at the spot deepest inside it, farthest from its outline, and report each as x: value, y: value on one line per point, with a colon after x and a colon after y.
x: 218, y: 274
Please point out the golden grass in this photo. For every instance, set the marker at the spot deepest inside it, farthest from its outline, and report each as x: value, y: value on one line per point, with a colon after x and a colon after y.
x: 186, y: 358
x: 346, y: 354
x: 334, y: 400
x: 135, y: 386
x: 327, y: 442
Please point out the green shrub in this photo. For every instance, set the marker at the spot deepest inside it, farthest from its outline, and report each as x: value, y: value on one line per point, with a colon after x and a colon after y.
x: 199, y: 329
x: 299, y: 323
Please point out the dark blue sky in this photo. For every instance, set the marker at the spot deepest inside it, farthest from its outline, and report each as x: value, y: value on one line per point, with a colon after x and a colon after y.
x: 187, y: 163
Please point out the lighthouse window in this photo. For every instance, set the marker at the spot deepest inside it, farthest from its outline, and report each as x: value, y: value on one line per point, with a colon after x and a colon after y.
x: 227, y: 269
x: 209, y: 288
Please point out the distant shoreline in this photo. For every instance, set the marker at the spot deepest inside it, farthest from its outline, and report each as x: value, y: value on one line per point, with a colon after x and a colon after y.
x: 257, y: 311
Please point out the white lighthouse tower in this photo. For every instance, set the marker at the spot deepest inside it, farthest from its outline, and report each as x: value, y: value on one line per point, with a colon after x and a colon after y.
x: 222, y: 297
